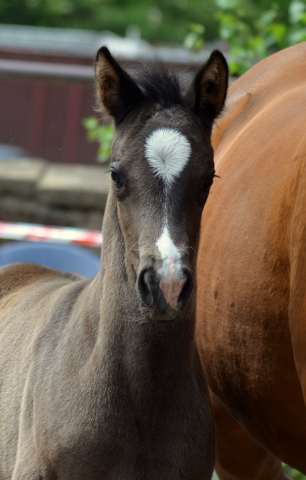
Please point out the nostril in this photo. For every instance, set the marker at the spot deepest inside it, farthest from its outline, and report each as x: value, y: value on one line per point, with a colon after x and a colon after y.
x: 164, y: 293
x: 145, y: 284
x: 186, y: 290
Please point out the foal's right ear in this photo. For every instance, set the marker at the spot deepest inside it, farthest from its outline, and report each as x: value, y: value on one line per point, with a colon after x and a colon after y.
x: 117, y: 91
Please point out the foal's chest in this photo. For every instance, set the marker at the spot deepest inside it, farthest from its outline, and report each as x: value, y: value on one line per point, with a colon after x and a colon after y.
x: 121, y: 450
x: 110, y: 439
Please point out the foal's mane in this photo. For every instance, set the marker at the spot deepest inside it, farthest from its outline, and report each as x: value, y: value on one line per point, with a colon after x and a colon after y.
x: 159, y: 84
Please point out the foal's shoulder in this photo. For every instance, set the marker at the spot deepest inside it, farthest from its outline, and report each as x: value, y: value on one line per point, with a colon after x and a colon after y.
x: 17, y: 275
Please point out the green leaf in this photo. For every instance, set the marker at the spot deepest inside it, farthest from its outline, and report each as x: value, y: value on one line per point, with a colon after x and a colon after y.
x: 266, y: 18
x: 194, y: 40
x: 296, y: 11
x: 104, y: 135
x: 197, y: 28
x: 227, y: 4
x: 90, y: 123
x: 297, y: 37
x: 278, y: 30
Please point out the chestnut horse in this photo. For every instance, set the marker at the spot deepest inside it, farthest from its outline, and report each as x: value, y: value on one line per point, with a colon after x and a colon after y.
x: 251, y: 309
x: 100, y: 379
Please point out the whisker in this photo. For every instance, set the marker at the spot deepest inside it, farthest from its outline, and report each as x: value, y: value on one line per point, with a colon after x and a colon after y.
x: 131, y: 248
x: 191, y: 248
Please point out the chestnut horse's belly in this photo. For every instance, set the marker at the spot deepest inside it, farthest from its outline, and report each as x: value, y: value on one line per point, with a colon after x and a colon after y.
x: 244, y: 338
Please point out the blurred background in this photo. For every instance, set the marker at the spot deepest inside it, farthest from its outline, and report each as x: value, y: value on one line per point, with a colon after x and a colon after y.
x: 47, y: 49
x: 51, y: 138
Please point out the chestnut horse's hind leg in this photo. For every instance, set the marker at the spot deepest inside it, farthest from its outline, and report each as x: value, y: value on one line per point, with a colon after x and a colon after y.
x: 238, y: 455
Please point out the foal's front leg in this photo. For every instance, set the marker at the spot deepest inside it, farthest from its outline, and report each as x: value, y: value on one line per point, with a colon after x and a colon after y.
x: 238, y: 455
x: 30, y: 468
x: 30, y: 462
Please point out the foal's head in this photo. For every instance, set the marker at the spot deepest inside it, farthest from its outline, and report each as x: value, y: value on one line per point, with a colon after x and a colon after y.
x: 162, y: 169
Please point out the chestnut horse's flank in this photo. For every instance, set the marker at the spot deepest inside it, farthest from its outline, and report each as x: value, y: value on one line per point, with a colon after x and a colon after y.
x: 251, y: 314
x: 100, y: 379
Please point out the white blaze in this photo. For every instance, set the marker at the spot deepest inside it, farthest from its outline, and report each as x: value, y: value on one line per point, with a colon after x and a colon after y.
x: 167, y: 151
x: 170, y: 258
x: 166, y: 246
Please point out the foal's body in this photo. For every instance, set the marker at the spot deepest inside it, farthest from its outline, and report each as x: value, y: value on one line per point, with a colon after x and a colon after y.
x: 251, y: 308
x: 100, y: 378
x: 95, y: 399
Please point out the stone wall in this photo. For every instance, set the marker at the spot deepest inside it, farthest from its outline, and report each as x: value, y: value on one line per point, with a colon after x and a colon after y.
x: 37, y: 191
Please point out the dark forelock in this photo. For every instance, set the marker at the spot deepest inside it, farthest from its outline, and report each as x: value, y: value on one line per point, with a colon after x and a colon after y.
x: 159, y: 84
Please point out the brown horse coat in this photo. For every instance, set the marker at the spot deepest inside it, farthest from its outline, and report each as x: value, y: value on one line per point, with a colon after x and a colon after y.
x: 251, y: 302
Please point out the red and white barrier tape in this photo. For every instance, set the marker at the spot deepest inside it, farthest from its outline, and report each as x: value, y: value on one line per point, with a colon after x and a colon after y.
x: 40, y: 233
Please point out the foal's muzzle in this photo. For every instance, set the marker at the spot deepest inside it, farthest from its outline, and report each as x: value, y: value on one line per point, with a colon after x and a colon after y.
x: 164, y: 285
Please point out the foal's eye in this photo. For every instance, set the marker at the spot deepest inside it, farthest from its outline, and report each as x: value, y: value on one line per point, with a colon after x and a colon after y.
x: 207, y: 183
x: 116, y: 179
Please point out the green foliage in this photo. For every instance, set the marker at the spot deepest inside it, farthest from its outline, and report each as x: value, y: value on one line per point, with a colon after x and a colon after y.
x: 195, y: 38
x: 157, y: 20
x: 104, y: 135
x: 254, y: 38
x: 294, y: 474
x: 252, y: 33
x: 167, y: 20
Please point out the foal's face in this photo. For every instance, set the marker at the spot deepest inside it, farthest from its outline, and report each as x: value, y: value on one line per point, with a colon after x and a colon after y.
x: 162, y: 169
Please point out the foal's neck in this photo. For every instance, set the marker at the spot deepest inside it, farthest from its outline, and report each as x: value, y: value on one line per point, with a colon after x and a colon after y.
x: 165, y: 349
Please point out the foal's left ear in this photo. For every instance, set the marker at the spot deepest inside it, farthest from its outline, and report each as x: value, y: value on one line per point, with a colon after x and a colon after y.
x: 117, y: 91
x: 207, y: 93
